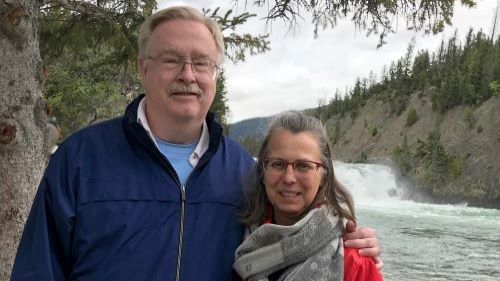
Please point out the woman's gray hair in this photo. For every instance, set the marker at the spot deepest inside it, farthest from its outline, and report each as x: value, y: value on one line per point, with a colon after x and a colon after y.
x: 176, y: 13
x: 331, y: 193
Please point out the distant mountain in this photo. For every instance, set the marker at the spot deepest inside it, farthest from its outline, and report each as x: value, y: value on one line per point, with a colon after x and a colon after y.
x: 255, y: 127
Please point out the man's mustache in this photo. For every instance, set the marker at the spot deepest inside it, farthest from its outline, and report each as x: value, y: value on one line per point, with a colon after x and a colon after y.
x: 182, y: 88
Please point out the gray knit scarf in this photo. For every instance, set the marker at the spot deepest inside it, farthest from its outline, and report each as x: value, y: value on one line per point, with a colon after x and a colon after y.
x: 311, y: 249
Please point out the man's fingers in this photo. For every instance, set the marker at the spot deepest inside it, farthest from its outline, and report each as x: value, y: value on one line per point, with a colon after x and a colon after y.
x: 361, y: 233
x: 361, y: 243
x: 370, y: 252
x: 364, y: 239
x: 379, y: 263
x: 369, y: 247
x: 350, y: 226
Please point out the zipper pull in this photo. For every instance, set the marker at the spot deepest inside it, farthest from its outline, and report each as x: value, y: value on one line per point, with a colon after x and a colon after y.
x: 183, y: 193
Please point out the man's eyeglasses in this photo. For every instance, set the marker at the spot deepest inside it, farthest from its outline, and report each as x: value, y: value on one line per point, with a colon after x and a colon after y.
x: 203, y: 68
x: 276, y: 166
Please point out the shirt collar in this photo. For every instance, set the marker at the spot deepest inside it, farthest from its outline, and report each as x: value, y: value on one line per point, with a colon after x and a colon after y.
x: 203, y: 142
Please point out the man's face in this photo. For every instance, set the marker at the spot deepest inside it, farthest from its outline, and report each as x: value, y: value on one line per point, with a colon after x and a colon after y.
x: 178, y: 94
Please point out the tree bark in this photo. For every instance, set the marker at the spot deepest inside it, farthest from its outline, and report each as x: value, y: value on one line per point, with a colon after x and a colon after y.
x: 23, y: 118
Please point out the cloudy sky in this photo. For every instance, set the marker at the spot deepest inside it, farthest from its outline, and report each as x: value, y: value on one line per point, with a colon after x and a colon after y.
x: 300, y: 70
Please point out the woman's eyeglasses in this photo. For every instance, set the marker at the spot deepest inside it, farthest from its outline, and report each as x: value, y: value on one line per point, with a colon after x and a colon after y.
x: 276, y: 166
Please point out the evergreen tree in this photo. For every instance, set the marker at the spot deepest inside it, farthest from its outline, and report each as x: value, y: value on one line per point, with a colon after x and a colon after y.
x: 100, y: 40
x: 421, y: 71
x: 219, y: 105
x: 376, y: 17
x: 251, y: 144
x: 404, y: 157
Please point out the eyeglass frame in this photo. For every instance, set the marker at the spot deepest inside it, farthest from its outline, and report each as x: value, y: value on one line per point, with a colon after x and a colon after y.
x: 292, y: 163
x: 183, y: 61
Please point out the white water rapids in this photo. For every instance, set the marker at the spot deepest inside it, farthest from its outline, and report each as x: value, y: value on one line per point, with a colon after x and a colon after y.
x: 423, y: 242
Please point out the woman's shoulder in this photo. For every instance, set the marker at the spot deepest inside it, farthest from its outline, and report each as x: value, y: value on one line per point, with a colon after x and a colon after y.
x: 359, y: 268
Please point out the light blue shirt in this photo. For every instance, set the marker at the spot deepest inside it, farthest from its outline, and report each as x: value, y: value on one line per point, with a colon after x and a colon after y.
x: 178, y: 155
x: 203, y: 142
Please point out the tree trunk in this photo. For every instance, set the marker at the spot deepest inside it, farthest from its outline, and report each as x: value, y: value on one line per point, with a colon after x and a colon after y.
x: 23, y: 118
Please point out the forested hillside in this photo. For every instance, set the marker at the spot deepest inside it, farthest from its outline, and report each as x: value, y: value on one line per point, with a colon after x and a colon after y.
x: 435, y: 115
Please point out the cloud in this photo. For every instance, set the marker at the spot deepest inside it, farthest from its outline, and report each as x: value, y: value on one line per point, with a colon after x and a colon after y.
x: 299, y: 70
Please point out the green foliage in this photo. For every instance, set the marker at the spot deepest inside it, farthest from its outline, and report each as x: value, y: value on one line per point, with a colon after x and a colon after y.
x: 90, y: 51
x: 321, y: 111
x: 440, y: 166
x: 495, y: 88
x: 337, y: 133
x: 237, y: 45
x: 463, y: 73
x: 475, y: 188
x: 363, y: 157
x: 456, y: 74
x: 411, y: 117
x: 80, y: 25
x: 403, y: 156
x: 448, y: 94
x: 421, y: 71
x: 470, y: 119
x: 78, y: 101
x: 398, y: 104
x: 433, y: 153
x: 376, y: 17
x: 251, y: 144
x: 219, y: 105
x: 455, y: 166
x: 374, y: 131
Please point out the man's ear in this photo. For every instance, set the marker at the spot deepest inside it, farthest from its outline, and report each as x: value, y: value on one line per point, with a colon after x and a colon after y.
x: 141, y: 65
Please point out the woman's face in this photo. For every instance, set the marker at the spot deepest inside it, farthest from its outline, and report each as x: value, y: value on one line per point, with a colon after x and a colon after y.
x: 291, y: 188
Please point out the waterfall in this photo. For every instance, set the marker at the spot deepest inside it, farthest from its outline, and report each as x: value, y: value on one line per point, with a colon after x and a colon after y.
x: 369, y: 183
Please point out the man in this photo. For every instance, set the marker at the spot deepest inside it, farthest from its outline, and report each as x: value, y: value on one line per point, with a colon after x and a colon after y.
x: 152, y: 195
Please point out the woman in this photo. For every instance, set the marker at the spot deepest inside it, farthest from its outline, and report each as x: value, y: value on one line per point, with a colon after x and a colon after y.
x: 296, y: 210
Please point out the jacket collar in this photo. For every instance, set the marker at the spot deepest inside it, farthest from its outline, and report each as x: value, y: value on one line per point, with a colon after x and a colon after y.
x: 210, y: 138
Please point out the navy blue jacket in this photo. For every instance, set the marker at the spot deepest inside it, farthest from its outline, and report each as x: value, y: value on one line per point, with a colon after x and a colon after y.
x: 109, y: 207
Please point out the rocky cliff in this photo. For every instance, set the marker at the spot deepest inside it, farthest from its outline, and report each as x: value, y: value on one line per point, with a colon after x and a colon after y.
x: 461, y: 165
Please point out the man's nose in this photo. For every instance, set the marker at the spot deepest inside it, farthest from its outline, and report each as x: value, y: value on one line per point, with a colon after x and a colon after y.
x: 187, y: 73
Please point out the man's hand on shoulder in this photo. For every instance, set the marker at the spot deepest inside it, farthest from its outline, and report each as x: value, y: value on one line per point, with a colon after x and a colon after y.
x: 365, y: 239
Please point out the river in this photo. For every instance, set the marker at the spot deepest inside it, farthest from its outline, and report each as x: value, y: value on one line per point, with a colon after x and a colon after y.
x: 423, y: 242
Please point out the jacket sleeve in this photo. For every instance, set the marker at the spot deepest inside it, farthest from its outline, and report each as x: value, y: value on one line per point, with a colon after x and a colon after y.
x: 358, y: 268
x: 44, y: 252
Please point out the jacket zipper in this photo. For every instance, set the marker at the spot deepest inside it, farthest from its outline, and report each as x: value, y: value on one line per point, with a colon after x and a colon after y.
x: 183, y: 203
x: 181, y: 231
x: 181, y: 228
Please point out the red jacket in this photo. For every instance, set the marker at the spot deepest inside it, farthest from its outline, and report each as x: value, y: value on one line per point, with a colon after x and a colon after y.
x: 359, y: 268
